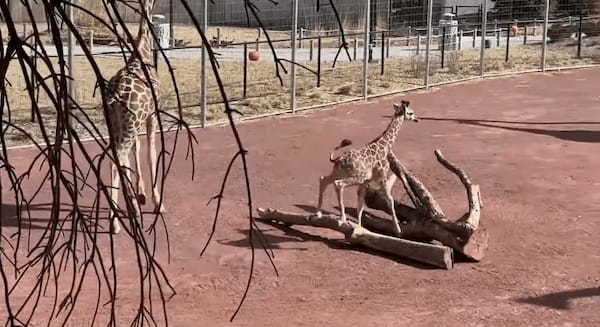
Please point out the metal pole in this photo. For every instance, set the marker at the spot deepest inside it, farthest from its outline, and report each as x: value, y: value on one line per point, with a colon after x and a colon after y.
x: 70, y: 82
x: 366, y: 48
x: 310, y: 53
x: 508, y: 30
x: 387, y: 47
x: 474, y: 36
x: 428, y: 45
x: 389, y: 27
x: 245, y: 69
x: 92, y: 41
x: 355, y: 48
x: 460, y: 37
x: 203, y: 80
x: 579, y: 34
x: 382, y: 52
x: 545, y: 35
x: 525, y: 35
x: 418, y: 44
x: 294, y: 45
x: 171, y: 31
x: 498, y: 32
x: 443, y: 45
x: 33, y: 79
x: 483, y: 37
x: 319, y: 61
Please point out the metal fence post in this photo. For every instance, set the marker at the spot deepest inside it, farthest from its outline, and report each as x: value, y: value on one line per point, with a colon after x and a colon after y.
x: 428, y: 45
x: 294, y: 45
x: 245, y: 86
x: 71, y: 81
x: 203, y: 79
x: 443, y: 45
x: 319, y: 61
x: 579, y: 33
x: 508, y: 31
x: 366, y: 49
x: 545, y: 35
x: 483, y: 37
x: 382, y: 52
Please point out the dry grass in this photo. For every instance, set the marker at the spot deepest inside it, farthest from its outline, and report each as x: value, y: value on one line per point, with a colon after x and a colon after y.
x: 189, y: 35
x: 265, y: 93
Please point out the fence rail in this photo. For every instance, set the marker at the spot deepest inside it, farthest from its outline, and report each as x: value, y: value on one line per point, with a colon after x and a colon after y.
x: 381, y: 55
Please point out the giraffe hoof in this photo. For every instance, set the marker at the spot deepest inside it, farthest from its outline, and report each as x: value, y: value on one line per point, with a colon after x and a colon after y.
x: 160, y: 209
x: 141, y: 199
x: 115, y: 228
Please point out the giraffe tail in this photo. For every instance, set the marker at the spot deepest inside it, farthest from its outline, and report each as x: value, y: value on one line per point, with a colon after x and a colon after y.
x: 344, y: 143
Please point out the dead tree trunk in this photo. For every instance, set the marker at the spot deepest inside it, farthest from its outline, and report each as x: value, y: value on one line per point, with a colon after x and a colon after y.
x: 425, y: 221
x: 436, y: 255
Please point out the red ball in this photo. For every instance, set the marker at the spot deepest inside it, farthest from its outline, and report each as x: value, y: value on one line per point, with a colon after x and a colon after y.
x: 254, y: 55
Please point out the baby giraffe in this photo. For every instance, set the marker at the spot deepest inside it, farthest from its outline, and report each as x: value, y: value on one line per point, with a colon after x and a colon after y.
x: 367, y: 166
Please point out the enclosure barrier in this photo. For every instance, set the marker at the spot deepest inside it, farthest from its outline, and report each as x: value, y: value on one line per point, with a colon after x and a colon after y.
x: 383, y: 48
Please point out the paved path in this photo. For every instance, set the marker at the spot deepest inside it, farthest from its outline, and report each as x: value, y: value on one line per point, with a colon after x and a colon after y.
x: 303, y: 55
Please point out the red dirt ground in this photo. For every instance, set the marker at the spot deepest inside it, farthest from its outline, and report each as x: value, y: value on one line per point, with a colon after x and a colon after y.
x: 531, y: 142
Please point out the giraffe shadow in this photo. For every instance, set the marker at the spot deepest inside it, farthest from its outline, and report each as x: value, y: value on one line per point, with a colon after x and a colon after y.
x: 38, y: 216
x: 561, y: 300
x: 579, y: 135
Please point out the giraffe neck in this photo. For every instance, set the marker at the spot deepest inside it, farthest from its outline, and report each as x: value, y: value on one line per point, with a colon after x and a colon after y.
x: 388, y: 137
x: 144, y: 42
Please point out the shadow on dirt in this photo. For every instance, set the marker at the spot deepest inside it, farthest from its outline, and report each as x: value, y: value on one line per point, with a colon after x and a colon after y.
x: 37, y: 216
x: 294, y: 235
x: 584, y: 136
x: 560, y: 300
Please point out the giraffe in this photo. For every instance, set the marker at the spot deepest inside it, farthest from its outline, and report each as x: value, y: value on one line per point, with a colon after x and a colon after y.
x: 130, y: 104
x: 367, y: 166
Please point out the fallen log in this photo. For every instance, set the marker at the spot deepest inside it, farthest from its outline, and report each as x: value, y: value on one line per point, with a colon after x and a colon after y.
x: 436, y: 255
x: 428, y: 221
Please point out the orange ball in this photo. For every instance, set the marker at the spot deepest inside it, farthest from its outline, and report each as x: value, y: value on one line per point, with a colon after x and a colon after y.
x: 254, y: 55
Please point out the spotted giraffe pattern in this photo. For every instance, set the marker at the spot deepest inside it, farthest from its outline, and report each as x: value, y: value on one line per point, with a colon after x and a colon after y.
x: 131, y: 104
x: 368, y: 166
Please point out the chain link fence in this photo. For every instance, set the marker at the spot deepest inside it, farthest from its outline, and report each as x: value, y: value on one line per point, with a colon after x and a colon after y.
x: 355, y: 50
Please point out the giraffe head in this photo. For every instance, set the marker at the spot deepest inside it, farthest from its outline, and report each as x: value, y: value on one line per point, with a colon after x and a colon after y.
x: 403, y: 110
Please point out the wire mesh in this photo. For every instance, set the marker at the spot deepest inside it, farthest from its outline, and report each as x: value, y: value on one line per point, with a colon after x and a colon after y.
x: 514, y: 37
x: 573, y: 33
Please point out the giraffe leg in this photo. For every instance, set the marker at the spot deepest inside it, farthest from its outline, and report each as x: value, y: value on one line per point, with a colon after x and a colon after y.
x: 138, y: 168
x: 150, y: 130
x: 390, y: 202
x: 324, y: 181
x: 340, y: 184
x: 115, y: 228
x: 362, y: 191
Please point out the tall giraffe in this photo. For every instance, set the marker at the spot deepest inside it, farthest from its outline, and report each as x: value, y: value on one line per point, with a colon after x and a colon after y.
x: 367, y: 166
x: 130, y: 104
